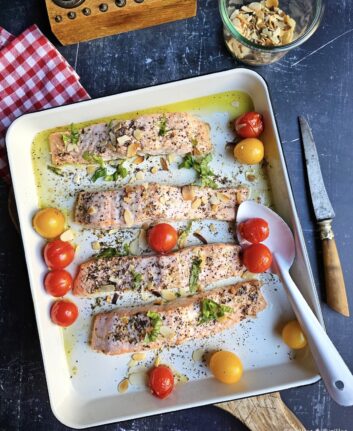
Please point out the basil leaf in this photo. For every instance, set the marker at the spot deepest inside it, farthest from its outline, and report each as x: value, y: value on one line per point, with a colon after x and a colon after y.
x: 184, y: 234
x: 99, y: 173
x: 194, y: 274
x: 108, y: 252
x: 205, y: 173
x: 211, y: 310
x: 73, y: 137
x: 163, y: 127
x: 156, y: 323
x: 136, y: 280
x: 56, y: 171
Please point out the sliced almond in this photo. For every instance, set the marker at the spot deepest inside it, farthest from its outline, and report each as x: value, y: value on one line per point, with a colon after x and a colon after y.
x: 91, y: 169
x: 214, y: 200
x: 95, y: 245
x: 68, y: 235
x: 157, y: 361
x: 168, y: 295
x: 138, y: 134
x: 184, y: 292
x: 128, y: 217
x: 180, y: 378
x: 91, y: 210
x: 132, y: 149
x: 138, y: 379
x: 171, y: 158
x: 140, y: 176
x: 123, y: 386
x: 107, y: 288
x: 154, y: 170
x: 214, y: 208
x: 132, y: 363
x: 166, y: 332
x: 188, y: 193
x: 164, y: 164
x: 143, y: 239
x: 138, y: 160
x: 196, y: 203
x: 197, y: 355
x: 213, y: 228
x: 139, y: 356
x: 222, y: 197
x: 122, y: 140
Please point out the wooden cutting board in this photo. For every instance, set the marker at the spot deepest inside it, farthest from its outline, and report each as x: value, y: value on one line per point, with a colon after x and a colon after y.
x: 263, y: 413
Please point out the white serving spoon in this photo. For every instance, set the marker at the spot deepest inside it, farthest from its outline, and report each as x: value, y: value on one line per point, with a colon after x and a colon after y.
x: 332, y: 368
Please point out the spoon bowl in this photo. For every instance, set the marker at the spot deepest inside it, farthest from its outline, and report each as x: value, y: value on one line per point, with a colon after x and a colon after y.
x: 334, y: 372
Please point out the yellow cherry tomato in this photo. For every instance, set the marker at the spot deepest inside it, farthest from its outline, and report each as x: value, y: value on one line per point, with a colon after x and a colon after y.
x: 293, y: 335
x: 226, y: 367
x: 49, y: 223
x: 249, y: 151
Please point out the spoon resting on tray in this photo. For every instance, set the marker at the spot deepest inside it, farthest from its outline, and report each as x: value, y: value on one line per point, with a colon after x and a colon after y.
x: 332, y: 368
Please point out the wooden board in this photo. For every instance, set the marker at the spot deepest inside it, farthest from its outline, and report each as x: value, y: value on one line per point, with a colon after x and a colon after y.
x: 91, y: 20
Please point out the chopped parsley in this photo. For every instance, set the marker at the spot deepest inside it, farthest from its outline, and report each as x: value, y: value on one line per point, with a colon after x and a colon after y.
x: 73, y: 137
x: 156, y: 323
x: 120, y: 172
x: 136, y: 279
x: 102, y: 172
x: 163, y: 127
x: 92, y: 158
x: 114, y: 251
x: 184, y: 235
x: 194, y: 274
x: 55, y: 170
x: 211, y: 310
x: 201, y: 166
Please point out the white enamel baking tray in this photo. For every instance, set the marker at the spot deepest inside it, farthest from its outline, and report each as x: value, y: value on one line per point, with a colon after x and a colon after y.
x: 89, y: 396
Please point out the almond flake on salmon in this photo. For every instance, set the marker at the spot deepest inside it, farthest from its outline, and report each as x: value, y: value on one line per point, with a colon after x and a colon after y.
x: 129, y: 330
x: 155, y: 134
x: 146, y: 206
x: 160, y: 272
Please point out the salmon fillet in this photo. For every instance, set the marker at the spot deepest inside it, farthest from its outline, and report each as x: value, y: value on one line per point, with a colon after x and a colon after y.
x: 155, y: 134
x: 213, y: 262
x: 134, y: 329
x: 150, y: 203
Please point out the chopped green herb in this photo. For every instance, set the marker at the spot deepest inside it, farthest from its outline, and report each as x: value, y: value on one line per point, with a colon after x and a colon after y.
x: 156, y: 323
x: 126, y: 248
x: 194, y: 274
x: 184, y: 235
x: 73, y: 137
x: 163, y: 127
x: 92, y: 158
x: 136, y: 279
x: 108, y: 252
x: 56, y: 171
x: 210, y: 310
x: 201, y: 167
x: 99, y: 173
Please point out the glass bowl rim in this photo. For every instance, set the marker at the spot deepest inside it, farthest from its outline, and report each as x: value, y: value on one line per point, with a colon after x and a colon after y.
x: 320, y: 7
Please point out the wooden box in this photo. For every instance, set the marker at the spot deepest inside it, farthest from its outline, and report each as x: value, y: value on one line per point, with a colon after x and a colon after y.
x: 75, y: 21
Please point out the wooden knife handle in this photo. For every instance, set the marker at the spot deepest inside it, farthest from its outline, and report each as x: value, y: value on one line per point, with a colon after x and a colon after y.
x: 263, y: 413
x: 335, y: 288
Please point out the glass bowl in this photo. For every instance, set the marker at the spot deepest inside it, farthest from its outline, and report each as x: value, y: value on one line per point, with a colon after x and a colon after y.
x: 306, y: 13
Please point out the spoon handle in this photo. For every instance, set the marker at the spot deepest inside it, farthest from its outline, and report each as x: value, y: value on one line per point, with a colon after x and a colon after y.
x: 334, y: 372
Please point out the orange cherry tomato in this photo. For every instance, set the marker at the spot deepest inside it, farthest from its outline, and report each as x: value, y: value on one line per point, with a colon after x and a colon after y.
x: 49, y: 222
x: 58, y: 282
x: 254, y: 230
x: 249, y: 125
x: 226, y: 367
x: 64, y: 313
x: 58, y: 254
x: 249, y: 151
x: 162, y: 238
x: 293, y: 335
x: 257, y: 258
x: 161, y: 381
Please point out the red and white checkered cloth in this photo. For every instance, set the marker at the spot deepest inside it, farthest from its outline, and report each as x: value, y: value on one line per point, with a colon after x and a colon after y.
x: 33, y: 76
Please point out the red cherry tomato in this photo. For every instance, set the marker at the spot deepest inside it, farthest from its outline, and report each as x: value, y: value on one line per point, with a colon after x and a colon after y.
x: 249, y: 125
x: 161, y: 381
x: 162, y: 238
x: 254, y: 230
x: 58, y: 282
x: 257, y: 258
x: 64, y: 313
x: 58, y: 254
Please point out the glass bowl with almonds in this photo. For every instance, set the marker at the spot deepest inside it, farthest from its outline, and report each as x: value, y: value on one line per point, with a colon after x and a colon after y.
x: 261, y: 32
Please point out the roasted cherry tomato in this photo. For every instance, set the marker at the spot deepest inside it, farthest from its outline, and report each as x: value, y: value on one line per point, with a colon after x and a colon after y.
x: 58, y: 254
x: 249, y: 125
x: 58, y: 282
x: 49, y: 222
x: 226, y: 367
x: 161, y: 381
x: 257, y: 258
x: 162, y: 238
x: 249, y: 151
x: 254, y: 230
x: 63, y: 313
x: 293, y: 335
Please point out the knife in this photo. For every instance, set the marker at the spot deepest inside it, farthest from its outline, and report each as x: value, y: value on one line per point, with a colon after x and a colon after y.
x: 336, y: 295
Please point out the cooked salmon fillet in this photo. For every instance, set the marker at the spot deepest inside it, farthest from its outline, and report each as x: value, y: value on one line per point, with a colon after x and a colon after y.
x: 150, y: 203
x: 213, y: 262
x: 156, y: 134
x: 134, y: 329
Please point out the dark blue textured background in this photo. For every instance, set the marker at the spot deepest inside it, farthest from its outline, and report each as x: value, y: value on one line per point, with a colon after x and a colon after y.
x: 315, y: 80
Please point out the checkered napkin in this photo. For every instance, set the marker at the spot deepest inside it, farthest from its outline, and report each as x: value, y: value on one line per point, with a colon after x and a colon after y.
x: 33, y: 76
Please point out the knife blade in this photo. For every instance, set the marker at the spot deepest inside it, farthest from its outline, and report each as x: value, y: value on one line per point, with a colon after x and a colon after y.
x: 334, y: 281
x: 321, y: 202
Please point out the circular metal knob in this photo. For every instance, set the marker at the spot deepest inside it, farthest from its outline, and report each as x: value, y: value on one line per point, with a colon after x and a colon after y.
x: 139, y: 1
x: 103, y: 7
x: 86, y: 11
x: 71, y: 15
x: 68, y: 4
x: 120, y: 3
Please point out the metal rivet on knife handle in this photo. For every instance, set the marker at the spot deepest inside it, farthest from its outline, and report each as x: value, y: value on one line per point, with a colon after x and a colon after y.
x: 336, y: 296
